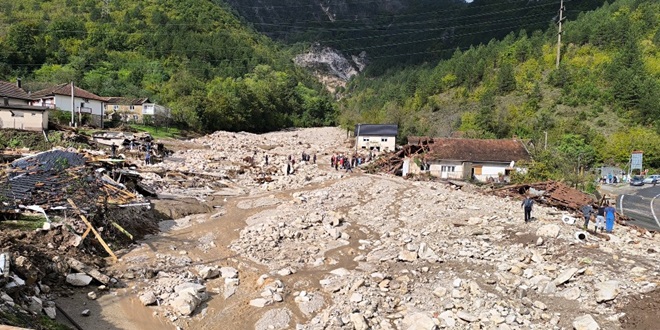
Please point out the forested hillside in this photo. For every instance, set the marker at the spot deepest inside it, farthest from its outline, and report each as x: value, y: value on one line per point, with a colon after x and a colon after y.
x: 194, y: 56
x: 397, y: 33
x: 602, y: 102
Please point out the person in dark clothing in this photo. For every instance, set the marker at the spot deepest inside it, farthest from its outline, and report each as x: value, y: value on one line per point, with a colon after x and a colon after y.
x: 348, y: 167
x: 314, y: 159
x: 113, y: 148
x: 600, y: 219
x: 527, y: 204
x: 587, y: 210
x: 147, y: 157
x: 266, y: 159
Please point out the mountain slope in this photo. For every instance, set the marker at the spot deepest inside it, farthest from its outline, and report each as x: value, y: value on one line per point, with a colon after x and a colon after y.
x: 599, y: 105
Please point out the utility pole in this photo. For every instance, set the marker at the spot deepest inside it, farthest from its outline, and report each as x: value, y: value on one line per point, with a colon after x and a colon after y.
x: 357, y: 137
x: 73, y: 106
x: 561, y: 18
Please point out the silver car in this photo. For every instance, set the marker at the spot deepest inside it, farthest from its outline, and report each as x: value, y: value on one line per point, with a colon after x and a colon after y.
x: 655, y: 178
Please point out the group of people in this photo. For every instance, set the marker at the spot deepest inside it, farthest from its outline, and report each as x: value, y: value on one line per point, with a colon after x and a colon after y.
x: 147, y: 150
x: 344, y: 162
x: 605, y: 214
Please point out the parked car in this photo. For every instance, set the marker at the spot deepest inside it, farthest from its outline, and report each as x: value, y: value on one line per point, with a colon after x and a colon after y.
x: 652, y: 179
x: 637, y: 181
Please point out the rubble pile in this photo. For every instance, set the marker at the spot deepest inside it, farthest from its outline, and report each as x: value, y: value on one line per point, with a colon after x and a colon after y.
x: 236, y: 162
x: 392, y: 163
x: 448, y: 259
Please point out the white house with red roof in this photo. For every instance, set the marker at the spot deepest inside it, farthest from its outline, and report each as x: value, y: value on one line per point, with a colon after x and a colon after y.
x: 59, y: 97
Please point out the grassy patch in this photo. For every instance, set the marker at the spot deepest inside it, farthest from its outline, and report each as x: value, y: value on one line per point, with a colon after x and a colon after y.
x: 159, y: 132
x: 24, y: 222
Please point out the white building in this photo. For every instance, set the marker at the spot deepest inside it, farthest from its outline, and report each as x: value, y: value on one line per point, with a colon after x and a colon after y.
x: 59, y: 97
x: 463, y: 159
x: 376, y: 137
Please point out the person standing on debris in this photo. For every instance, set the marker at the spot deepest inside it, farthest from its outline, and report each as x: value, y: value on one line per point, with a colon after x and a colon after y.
x: 314, y: 159
x: 586, y: 213
x: 610, y: 213
x: 600, y: 219
x: 348, y: 167
x: 113, y: 148
x: 147, y: 157
x: 527, y: 204
x: 266, y: 157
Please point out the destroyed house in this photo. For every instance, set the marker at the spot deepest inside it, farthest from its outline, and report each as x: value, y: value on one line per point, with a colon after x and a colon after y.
x: 376, y: 137
x: 465, y: 159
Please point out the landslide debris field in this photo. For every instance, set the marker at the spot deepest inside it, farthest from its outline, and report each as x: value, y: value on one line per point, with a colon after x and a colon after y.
x: 326, y: 249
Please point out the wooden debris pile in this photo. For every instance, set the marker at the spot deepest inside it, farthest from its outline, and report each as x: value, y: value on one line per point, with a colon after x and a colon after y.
x: 392, y: 162
x: 550, y: 193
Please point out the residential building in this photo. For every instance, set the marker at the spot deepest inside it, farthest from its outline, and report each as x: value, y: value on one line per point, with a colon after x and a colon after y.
x: 15, y: 111
x: 22, y: 116
x: 59, y: 97
x: 464, y: 159
x: 137, y: 110
x: 13, y: 93
x: 376, y: 137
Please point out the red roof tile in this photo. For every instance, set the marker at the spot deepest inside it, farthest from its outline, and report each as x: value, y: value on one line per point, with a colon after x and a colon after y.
x: 65, y: 89
x: 127, y: 100
x: 478, y: 150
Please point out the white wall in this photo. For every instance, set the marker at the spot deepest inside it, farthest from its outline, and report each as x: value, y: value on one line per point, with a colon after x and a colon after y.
x: 368, y: 142
x: 436, y: 169
x: 63, y: 102
x: 492, y: 170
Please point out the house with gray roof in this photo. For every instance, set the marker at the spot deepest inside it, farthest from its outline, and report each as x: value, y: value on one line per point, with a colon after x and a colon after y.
x: 376, y: 137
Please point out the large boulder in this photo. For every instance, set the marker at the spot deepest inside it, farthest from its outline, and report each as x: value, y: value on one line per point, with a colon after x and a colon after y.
x: 78, y: 279
x: 549, y: 230
x: 606, y: 291
x: 585, y: 322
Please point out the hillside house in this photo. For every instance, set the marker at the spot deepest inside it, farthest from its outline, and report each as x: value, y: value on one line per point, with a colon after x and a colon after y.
x: 59, y: 97
x: 376, y: 137
x: 15, y: 111
x: 136, y: 110
x: 464, y: 159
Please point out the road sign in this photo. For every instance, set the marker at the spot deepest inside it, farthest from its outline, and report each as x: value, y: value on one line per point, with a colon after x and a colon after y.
x: 636, y: 160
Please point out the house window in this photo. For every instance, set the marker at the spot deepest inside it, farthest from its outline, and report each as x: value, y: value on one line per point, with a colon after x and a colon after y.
x: 34, y: 114
x: 115, y: 107
x: 135, y: 117
x: 132, y: 107
x: 446, y: 168
x: 365, y: 139
x: 383, y: 139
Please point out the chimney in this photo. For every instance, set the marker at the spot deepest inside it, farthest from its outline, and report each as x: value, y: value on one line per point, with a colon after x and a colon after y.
x: 18, y: 83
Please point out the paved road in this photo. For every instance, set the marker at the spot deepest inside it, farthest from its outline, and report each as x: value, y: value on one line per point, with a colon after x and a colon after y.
x: 643, y: 205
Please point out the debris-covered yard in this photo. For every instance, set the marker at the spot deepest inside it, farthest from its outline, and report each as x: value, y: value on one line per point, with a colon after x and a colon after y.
x: 316, y: 249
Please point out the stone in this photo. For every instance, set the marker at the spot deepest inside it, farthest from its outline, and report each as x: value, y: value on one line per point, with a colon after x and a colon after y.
x: 259, y: 302
x: 36, y: 305
x: 426, y: 253
x: 356, y: 297
x: 440, y: 292
x: 565, y: 276
x: 418, y: 321
x: 51, y: 312
x: 359, y: 323
x: 78, y: 279
x: 277, y: 297
x: 284, y: 272
x: 539, y: 241
x: 5, y: 297
x: 406, y: 255
x: 341, y: 272
x: 85, y: 312
x: 571, y: 294
x: 467, y: 317
x: 228, y: 272
x: 549, y: 230
x: 585, y: 322
x: 606, y: 291
x: 209, y: 272
x: 148, y: 298
x: 92, y: 295
x: 195, y: 287
x: 457, y: 283
x: 540, y: 305
x: 186, y: 302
